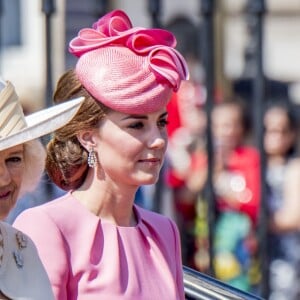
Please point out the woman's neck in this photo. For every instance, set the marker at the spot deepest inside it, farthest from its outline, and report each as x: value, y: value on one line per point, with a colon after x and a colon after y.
x: 274, y: 160
x: 108, y: 201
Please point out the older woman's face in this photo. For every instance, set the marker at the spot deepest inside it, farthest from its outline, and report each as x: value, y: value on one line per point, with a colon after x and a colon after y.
x: 12, y: 166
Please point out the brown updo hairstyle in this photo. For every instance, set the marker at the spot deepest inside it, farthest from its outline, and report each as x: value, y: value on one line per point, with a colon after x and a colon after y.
x: 66, y: 162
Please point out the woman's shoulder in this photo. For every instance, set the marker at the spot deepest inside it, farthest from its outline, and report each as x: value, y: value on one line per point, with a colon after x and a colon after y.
x: 16, y: 242
x: 50, y: 221
x: 52, y: 209
x: 162, y: 228
x: 43, y: 218
x: 293, y: 166
x: 294, y: 161
x: 22, y: 273
x: 147, y: 214
x: 7, y: 228
x: 154, y: 219
x: 15, y: 236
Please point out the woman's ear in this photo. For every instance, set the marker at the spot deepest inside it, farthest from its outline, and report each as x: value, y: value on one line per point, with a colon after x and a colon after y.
x: 86, y: 139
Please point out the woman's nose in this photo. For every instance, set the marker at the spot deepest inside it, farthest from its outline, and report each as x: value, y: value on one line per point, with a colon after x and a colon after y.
x: 158, y: 139
x: 4, y: 175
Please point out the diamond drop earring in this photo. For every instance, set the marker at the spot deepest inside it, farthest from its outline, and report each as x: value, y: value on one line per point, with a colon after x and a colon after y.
x: 92, y: 158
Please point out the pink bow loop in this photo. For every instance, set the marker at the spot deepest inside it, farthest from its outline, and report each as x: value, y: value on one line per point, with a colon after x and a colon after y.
x: 169, y: 66
x: 113, y: 23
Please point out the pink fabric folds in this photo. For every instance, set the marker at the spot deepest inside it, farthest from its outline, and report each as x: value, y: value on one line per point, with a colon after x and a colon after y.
x: 129, y: 69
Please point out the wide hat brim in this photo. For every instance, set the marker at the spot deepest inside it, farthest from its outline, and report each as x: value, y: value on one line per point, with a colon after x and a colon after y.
x: 42, y: 123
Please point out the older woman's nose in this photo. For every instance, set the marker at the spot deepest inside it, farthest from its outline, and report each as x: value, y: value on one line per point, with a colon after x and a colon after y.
x: 4, y: 175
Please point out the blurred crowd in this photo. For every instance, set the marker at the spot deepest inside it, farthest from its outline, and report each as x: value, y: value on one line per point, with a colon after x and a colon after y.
x: 234, y: 256
x: 235, y: 252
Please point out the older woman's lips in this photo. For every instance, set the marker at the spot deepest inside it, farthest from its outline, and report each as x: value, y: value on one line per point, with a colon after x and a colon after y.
x: 4, y: 195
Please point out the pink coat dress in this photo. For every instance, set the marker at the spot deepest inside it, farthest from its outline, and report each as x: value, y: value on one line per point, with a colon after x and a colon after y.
x: 87, y: 258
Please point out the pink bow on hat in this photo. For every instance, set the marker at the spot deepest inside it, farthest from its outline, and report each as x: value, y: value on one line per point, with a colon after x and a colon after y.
x: 115, y: 28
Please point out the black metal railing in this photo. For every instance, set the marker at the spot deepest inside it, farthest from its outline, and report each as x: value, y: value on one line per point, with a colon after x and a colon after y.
x: 207, y: 14
x: 198, y: 286
x: 256, y: 10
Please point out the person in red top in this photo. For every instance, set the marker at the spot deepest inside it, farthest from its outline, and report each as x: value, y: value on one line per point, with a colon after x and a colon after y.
x: 236, y: 164
x: 236, y: 181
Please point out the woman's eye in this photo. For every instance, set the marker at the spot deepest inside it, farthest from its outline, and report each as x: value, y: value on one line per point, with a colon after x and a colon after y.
x: 15, y: 159
x: 163, y: 123
x: 137, y: 125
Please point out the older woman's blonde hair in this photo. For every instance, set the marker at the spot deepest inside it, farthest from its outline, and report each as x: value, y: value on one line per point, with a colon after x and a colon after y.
x: 34, y: 157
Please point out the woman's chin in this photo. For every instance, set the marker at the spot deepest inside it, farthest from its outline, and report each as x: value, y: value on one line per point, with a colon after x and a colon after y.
x: 149, y: 180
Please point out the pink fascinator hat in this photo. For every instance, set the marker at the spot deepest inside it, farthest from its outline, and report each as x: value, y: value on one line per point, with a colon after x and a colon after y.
x: 132, y: 70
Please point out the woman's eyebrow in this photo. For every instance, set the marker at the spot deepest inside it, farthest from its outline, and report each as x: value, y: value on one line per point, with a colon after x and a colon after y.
x: 163, y: 114
x: 142, y: 117
x: 135, y: 117
x: 16, y: 152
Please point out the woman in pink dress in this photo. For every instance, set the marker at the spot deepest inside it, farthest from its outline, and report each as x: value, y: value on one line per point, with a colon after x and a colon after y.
x: 95, y: 242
